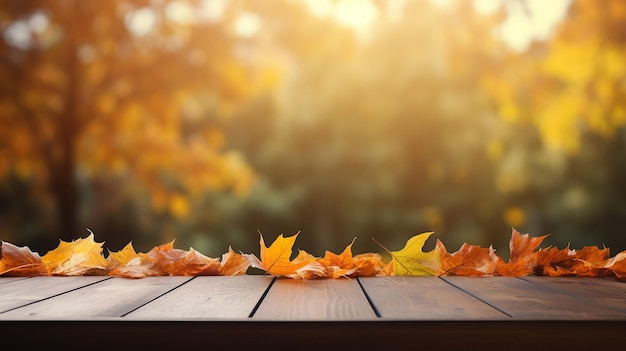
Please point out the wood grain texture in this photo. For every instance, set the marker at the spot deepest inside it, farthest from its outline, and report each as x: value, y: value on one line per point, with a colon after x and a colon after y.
x: 425, y: 298
x: 109, y: 298
x: 604, y: 291
x: 315, y: 299
x: 522, y: 299
x: 4, y: 280
x: 20, y: 292
x: 208, y: 297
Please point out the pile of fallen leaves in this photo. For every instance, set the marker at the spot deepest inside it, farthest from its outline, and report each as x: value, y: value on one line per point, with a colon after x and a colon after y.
x: 85, y: 257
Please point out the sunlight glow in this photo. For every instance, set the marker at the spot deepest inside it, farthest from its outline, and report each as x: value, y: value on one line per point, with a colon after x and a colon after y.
x: 212, y: 10
x: 486, y: 7
x: 247, y: 24
x: 535, y: 22
x: 19, y: 33
x: 179, y: 12
x: 141, y: 21
x: 357, y: 14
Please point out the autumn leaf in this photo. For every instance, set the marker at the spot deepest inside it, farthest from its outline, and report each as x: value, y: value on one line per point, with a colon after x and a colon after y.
x: 469, y: 260
x: 522, y: 248
x: 19, y: 261
x: 369, y: 264
x: 522, y: 255
x: 191, y: 263
x: 412, y: 261
x: 275, y: 259
x: 507, y: 269
x: 341, y: 265
x: 79, y: 257
x: 312, y: 267
x: 84, y: 257
x: 122, y: 257
x: 347, y: 265
x: 167, y: 260
x: 617, y: 265
x: 233, y: 263
x: 591, y: 261
x: 587, y: 262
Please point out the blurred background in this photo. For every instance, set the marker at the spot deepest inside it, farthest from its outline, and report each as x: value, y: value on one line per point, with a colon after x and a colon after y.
x: 209, y: 121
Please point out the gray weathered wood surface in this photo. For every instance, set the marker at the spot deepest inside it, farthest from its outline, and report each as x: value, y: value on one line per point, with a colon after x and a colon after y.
x: 372, y: 309
x: 266, y: 298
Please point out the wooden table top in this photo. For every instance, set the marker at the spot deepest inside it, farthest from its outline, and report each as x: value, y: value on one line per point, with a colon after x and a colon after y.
x: 486, y: 312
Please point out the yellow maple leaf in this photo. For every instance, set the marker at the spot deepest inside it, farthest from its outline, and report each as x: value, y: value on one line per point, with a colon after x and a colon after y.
x: 123, y: 256
x: 412, y: 261
x: 79, y: 257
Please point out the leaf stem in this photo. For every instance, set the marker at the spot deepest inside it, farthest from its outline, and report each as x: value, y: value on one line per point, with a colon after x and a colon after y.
x: 381, y: 245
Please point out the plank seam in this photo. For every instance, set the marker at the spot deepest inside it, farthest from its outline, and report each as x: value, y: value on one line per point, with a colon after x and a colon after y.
x: 258, y: 304
x: 476, y: 297
x: 369, y: 299
x: 55, y: 295
x: 160, y: 295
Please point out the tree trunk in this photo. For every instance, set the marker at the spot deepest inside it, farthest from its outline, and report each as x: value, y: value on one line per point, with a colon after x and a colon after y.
x: 64, y: 179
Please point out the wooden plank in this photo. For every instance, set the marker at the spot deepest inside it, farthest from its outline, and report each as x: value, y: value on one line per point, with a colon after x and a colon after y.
x: 25, y: 291
x: 315, y: 299
x: 425, y: 298
x: 523, y: 299
x: 607, y: 292
x: 109, y: 298
x: 208, y: 297
x: 4, y: 280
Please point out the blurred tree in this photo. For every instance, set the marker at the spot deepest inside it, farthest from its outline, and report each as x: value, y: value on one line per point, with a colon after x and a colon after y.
x: 383, y: 135
x: 565, y: 149
x: 123, y: 97
x: 125, y: 117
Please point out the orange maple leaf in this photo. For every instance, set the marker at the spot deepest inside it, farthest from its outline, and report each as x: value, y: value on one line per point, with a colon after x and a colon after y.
x: 167, y: 260
x: 469, y: 260
x: 311, y: 269
x: 191, y: 263
x: 587, y: 262
x: 79, y: 257
x: 590, y: 262
x: 617, y: 265
x: 522, y: 255
x: 342, y: 265
x: 19, y: 261
x: 508, y: 269
x: 522, y: 247
x: 275, y: 259
x: 233, y: 263
x: 370, y: 264
x: 139, y: 265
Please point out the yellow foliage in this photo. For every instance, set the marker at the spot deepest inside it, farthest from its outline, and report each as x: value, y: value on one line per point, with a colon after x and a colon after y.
x: 179, y: 206
x: 495, y: 150
x: 558, y: 122
x: 514, y: 216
